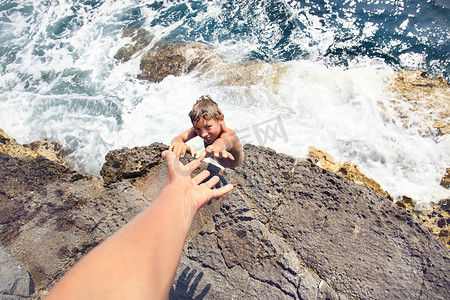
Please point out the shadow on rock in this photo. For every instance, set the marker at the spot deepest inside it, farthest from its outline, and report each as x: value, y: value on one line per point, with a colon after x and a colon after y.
x: 187, y: 285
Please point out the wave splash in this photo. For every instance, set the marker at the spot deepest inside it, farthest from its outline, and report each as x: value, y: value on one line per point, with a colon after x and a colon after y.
x: 324, y: 69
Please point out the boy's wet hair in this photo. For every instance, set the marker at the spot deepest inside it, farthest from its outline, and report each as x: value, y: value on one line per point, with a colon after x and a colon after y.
x: 205, y: 108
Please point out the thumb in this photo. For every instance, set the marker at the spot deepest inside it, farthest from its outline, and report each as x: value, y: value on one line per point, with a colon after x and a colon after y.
x: 175, y: 167
x: 171, y: 159
x: 169, y: 156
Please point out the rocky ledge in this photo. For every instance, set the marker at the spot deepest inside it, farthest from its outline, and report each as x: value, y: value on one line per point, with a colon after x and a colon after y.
x: 289, y: 230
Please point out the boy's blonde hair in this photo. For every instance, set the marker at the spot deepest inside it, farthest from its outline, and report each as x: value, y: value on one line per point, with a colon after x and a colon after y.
x: 205, y: 108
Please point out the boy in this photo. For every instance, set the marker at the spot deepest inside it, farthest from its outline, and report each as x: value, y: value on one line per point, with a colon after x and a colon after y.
x: 220, y: 141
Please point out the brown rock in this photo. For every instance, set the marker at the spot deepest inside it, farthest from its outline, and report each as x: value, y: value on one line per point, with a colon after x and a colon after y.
x: 445, y: 182
x: 131, y: 163
x: 46, y: 148
x: 437, y: 220
x: 406, y: 202
x: 166, y: 59
x: 347, y: 169
x: 429, y: 99
x: 140, y: 38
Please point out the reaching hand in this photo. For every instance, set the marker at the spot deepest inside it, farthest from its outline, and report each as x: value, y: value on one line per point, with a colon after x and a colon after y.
x: 180, y: 149
x: 139, y: 261
x: 191, y: 189
x: 215, y: 151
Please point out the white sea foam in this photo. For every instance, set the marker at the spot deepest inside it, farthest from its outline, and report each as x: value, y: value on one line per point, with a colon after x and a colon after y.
x: 70, y: 89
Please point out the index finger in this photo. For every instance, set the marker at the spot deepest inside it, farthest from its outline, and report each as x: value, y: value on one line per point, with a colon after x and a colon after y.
x: 202, y: 155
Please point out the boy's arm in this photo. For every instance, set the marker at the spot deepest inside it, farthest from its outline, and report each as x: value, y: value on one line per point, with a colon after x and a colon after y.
x: 140, y: 260
x: 179, y: 147
x: 222, y: 150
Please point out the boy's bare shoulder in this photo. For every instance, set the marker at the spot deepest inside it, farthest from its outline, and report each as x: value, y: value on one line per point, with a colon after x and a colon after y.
x: 228, y: 131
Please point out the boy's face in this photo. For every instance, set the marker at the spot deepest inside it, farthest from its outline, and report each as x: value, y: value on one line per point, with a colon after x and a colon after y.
x: 209, y: 130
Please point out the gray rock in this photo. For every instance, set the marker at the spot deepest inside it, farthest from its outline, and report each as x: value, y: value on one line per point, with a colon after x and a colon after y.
x: 358, y: 241
x: 289, y: 230
x: 128, y: 163
x: 308, y: 233
x: 15, y: 282
x: 64, y: 222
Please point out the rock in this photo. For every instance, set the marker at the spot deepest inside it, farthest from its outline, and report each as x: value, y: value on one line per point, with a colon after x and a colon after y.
x: 131, y: 163
x: 445, y: 182
x: 347, y: 169
x: 48, y: 149
x: 15, y: 282
x: 406, y: 203
x: 428, y: 99
x: 289, y: 230
x: 140, y: 38
x: 340, y: 229
x: 175, y: 59
x: 23, y: 174
x: 437, y: 220
x: 50, y: 215
x: 166, y: 59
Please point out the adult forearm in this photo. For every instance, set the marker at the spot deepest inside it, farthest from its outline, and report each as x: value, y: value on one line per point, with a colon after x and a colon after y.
x: 132, y: 263
x: 140, y: 260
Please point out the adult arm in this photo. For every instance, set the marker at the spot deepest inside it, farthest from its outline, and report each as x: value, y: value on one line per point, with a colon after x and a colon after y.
x: 140, y: 260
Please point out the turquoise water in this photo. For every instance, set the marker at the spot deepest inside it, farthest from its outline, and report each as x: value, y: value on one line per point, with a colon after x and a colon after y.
x: 59, y: 80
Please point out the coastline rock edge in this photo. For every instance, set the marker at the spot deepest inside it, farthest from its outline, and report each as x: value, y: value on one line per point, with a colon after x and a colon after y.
x: 289, y: 230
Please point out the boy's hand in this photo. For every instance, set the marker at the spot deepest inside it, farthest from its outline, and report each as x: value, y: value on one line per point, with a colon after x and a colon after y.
x: 180, y: 149
x: 214, y: 151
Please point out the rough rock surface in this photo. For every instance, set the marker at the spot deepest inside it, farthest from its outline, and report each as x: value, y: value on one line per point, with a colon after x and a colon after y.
x: 445, y: 182
x: 347, y: 169
x: 174, y: 59
x: 428, y: 99
x: 437, y: 220
x: 140, y: 38
x: 15, y: 282
x: 289, y: 230
x: 50, y: 215
x: 164, y: 59
x: 51, y: 150
x: 130, y: 163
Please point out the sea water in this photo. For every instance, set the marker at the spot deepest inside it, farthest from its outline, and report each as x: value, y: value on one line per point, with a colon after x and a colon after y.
x: 59, y: 79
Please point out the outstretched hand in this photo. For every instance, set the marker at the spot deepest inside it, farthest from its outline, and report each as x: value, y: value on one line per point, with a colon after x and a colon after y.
x: 180, y: 149
x: 139, y: 261
x: 194, y: 191
x: 214, y: 151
